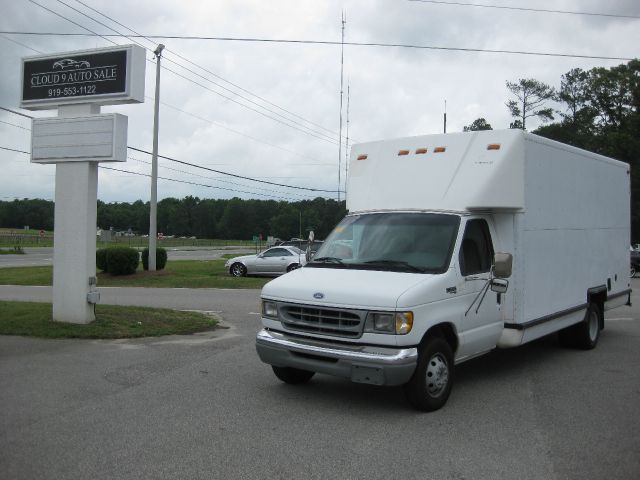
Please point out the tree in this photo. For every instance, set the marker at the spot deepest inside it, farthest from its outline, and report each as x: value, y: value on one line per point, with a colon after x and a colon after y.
x: 478, y: 124
x: 531, y: 96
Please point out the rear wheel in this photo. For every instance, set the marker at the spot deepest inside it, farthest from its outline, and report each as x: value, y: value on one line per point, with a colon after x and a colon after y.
x: 584, y: 335
x: 430, y: 386
x: 292, y: 376
x: 238, y: 270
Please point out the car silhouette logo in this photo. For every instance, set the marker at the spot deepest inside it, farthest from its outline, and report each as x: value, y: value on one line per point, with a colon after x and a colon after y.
x: 67, y: 64
x: 318, y: 296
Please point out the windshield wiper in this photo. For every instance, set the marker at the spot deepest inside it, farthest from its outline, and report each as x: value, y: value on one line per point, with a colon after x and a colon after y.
x: 328, y: 260
x: 395, y: 263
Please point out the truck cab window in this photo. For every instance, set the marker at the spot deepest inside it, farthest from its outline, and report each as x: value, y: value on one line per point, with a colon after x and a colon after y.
x: 476, y: 251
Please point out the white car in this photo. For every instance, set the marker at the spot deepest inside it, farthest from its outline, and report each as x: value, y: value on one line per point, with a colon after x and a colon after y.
x: 273, y: 261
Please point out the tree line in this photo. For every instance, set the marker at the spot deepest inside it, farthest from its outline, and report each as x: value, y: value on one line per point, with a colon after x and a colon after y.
x: 597, y: 110
x: 233, y: 219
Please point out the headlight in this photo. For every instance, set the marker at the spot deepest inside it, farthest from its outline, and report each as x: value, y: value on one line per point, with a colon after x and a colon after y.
x: 269, y: 309
x: 399, y: 323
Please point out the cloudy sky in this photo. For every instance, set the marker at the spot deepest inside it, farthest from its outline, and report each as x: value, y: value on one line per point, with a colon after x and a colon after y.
x: 271, y: 111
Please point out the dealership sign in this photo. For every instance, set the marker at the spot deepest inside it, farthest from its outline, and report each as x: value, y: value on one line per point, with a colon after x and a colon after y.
x: 105, y: 76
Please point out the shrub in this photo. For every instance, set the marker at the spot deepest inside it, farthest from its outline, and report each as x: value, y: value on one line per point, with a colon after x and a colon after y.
x: 101, y: 259
x: 122, y: 260
x: 161, y: 258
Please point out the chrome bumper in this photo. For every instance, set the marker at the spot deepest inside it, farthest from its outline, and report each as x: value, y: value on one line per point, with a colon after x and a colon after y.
x: 362, y: 364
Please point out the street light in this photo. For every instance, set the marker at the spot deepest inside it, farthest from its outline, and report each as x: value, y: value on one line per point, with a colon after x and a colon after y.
x: 153, y: 204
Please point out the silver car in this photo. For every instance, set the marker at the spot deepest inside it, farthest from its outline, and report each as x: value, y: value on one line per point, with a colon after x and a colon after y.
x: 273, y: 261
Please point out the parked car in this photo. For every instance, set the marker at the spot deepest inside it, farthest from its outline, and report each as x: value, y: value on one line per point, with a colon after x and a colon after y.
x: 273, y: 261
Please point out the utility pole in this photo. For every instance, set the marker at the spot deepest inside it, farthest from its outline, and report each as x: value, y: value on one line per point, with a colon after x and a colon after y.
x: 153, y: 204
x: 344, y: 21
x: 346, y: 157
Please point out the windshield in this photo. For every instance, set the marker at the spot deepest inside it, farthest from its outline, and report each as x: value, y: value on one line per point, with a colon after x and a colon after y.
x: 410, y: 242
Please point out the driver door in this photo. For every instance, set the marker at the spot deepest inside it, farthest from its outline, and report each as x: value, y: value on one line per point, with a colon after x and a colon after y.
x: 483, y: 322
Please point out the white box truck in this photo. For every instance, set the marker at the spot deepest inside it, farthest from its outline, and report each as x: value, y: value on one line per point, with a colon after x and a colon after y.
x: 454, y: 245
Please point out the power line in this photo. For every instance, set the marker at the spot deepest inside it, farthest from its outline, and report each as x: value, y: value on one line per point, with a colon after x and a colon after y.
x: 204, y: 69
x: 16, y: 125
x: 334, y: 43
x: 210, y: 169
x: 194, y: 183
x: 323, y: 138
x: 215, y: 179
x: 14, y: 150
x: 200, y: 76
x: 234, y: 175
x: 16, y: 113
x: 170, y: 179
x: 317, y: 134
x: 237, y: 132
x: 540, y: 10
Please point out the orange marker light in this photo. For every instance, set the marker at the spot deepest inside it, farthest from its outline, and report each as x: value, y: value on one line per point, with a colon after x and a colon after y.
x: 421, y: 151
x: 493, y: 146
x: 403, y: 152
x: 439, y: 149
x: 362, y: 157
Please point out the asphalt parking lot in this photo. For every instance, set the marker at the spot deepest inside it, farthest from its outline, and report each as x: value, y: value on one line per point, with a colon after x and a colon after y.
x: 203, y: 406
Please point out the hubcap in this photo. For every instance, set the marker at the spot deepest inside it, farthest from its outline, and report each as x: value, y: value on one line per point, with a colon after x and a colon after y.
x: 437, y: 375
x: 237, y: 270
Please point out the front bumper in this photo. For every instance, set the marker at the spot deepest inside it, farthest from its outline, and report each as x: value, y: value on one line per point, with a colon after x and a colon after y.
x: 359, y: 363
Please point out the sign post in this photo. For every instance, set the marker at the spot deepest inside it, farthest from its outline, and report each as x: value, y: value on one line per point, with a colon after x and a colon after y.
x: 77, y: 84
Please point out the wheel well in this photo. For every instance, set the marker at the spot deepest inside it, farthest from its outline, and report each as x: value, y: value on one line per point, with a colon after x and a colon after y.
x: 446, y: 331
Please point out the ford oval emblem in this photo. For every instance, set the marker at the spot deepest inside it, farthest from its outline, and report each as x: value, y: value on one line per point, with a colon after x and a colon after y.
x: 318, y: 296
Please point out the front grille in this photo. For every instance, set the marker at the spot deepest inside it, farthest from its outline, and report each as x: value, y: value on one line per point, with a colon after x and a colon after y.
x: 342, y: 323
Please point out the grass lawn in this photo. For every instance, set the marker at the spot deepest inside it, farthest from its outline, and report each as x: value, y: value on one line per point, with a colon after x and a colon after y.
x: 177, y: 274
x: 34, y: 320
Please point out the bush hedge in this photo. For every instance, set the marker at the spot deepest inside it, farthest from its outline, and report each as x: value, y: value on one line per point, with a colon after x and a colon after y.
x: 101, y: 259
x: 161, y: 258
x: 118, y: 260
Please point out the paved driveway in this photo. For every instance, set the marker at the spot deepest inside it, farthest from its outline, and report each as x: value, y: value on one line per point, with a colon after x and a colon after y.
x: 203, y: 406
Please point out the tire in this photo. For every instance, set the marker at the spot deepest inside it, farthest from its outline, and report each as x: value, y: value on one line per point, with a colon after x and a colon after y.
x: 292, y: 376
x: 583, y: 335
x: 238, y: 270
x: 588, y: 331
x: 293, y: 266
x: 430, y: 386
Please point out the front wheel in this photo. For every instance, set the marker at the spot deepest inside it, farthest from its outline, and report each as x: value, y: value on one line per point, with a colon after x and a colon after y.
x: 292, y: 267
x: 430, y: 386
x: 238, y: 270
x: 292, y: 376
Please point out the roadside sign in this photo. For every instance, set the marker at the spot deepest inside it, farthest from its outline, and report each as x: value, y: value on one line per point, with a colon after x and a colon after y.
x: 103, y: 76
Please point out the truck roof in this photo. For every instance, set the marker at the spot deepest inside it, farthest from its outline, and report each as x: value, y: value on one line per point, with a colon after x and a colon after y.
x: 465, y: 171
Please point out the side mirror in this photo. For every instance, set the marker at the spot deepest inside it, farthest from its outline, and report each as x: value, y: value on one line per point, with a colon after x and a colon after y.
x: 502, y: 265
x: 499, y: 285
